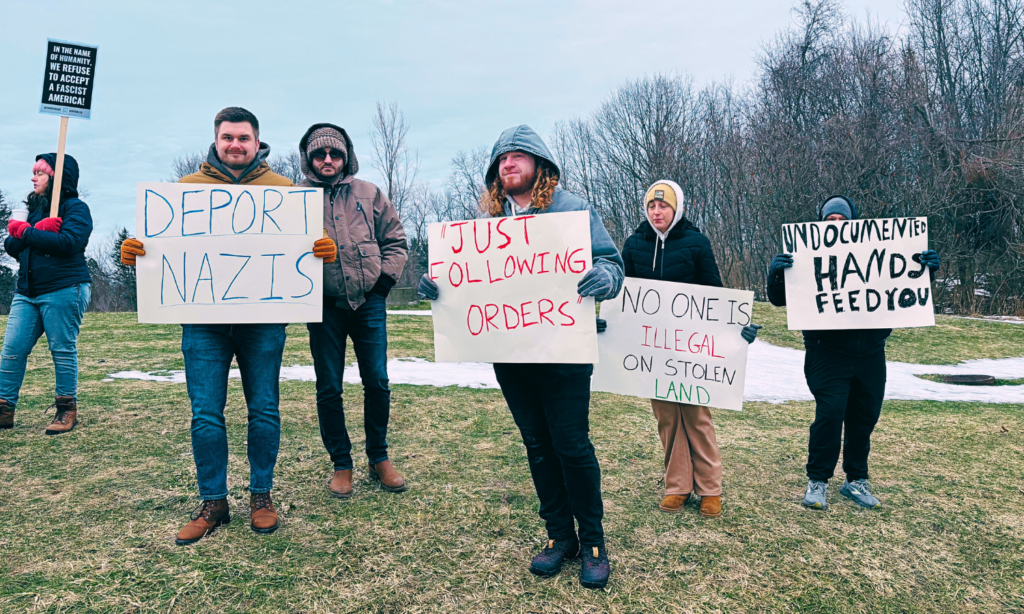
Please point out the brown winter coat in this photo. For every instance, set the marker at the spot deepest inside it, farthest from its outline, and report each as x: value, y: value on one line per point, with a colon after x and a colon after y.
x: 372, y: 248
x: 258, y: 173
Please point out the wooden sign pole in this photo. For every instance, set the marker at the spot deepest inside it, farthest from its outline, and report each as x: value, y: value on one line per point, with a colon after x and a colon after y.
x: 58, y: 173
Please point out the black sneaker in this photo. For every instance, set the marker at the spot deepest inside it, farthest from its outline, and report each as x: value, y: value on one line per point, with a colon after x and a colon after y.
x: 555, y: 553
x: 596, y: 568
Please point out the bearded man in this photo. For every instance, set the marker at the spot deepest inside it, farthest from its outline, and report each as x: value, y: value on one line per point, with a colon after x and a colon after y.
x: 551, y: 402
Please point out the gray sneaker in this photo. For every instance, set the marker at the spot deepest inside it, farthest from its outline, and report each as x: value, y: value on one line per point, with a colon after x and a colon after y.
x: 860, y: 492
x: 814, y: 498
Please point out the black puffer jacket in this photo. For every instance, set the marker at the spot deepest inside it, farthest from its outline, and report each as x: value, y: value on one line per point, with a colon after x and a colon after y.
x: 50, y: 261
x: 685, y: 257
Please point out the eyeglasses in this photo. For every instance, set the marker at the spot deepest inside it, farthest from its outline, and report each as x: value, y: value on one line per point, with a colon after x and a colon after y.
x: 323, y: 154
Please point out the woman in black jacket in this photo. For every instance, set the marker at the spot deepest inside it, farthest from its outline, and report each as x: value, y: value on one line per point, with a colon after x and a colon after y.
x: 53, y: 292
x: 670, y: 248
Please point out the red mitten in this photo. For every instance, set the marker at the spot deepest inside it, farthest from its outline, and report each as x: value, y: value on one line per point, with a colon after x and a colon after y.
x: 16, y: 228
x: 50, y: 224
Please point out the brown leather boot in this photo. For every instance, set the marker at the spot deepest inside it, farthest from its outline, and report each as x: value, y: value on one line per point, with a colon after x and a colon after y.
x: 6, y: 415
x: 673, y: 503
x: 207, y: 517
x: 340, y: 485
x: 66, y: 418
x: 389, y: 478
x: 711, y: 507
x: 264, y: 516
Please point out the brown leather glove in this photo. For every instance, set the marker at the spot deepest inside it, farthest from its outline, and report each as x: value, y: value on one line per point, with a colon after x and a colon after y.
x: 129, y: 250
x: 325, y: 248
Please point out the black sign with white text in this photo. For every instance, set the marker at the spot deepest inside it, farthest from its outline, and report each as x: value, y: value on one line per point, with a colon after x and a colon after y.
x: 68, y: 79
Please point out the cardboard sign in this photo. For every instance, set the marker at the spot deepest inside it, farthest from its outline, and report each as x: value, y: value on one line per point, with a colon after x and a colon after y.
x: 675, y: 342
x: 224, y: 254
x: 858, y: 274
x: 508, y: 289
x: 68, y: 79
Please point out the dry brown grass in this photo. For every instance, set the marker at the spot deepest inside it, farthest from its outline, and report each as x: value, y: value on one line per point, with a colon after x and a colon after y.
x: 89, y: 518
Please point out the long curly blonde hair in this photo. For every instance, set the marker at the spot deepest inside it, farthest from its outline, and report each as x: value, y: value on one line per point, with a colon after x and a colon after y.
x: 492, y: 201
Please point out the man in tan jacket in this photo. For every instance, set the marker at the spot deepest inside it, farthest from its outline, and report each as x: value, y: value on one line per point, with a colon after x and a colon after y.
x: 236, y: 157
x: 372, y: 251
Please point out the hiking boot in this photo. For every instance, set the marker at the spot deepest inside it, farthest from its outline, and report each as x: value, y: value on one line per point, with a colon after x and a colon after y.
x: 207, y: 517
x: 596, y: 568
x: 340, y: 485
x: 555, y: 553
x: 673, y: 503
x: 711, y: 507
x: 389, y: 478
x: 859, y: 491
x: 264, y: 516
x: 66, y: 418
x: 814, y: 498
x: 6, y: 415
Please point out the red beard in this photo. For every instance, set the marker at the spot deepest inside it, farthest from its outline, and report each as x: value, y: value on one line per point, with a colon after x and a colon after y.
x: 517, y: 185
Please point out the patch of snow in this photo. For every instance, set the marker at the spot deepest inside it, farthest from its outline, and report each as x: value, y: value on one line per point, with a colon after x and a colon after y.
x: 774, y: 375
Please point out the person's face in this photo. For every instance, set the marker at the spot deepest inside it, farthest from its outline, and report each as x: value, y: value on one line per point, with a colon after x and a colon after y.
x: 517, y: 171
x: 39, y: 182
x: 660, y: 214
x: 328, y: 162
x: 835, y: 217
x: 237, y: 144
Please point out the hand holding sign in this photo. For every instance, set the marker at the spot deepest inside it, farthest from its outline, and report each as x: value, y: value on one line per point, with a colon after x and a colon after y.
x: 855, y: 274
x: 683, y: 343
x: 505, y: 289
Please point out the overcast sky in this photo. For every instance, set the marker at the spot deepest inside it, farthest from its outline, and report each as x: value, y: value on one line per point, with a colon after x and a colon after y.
x: 462, y: 71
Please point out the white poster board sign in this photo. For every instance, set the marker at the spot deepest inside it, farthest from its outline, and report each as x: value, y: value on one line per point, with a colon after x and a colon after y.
x: 675, y: 342
x: 858, y: 274
x: 508, y: 289
x: 224, y: 254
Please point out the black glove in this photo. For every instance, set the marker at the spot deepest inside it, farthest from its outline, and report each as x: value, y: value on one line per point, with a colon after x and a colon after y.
x: 602, y: 325
x: 749, y: 332
x: 383, y: 286
x: 779, y: 263
x: 428, y: 288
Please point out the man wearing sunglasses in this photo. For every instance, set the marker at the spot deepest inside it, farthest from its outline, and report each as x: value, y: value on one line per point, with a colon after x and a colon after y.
x: 372, y: 251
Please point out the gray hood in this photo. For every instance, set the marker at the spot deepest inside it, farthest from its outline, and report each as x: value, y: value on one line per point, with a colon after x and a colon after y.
x: 351, y: 162
x: 518, y: 138
x: 261, y: 156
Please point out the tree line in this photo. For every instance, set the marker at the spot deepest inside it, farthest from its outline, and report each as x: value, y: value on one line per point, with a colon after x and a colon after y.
x: 926, y: 121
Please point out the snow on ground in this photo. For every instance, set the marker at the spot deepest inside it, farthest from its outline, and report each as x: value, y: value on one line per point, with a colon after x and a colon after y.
x: 775, y: 375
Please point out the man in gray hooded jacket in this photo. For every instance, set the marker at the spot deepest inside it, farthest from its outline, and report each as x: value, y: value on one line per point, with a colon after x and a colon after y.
x: 372, y: 251
x: 551, y: 402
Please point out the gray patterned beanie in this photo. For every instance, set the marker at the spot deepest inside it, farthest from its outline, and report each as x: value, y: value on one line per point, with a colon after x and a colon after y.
x: 325, y: 137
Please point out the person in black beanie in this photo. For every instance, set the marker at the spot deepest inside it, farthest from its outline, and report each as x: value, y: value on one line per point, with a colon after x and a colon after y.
x: 845, y: 371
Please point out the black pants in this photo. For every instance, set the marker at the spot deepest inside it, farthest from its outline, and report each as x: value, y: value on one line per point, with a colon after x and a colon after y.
x: 551, y: 406
x: 848, y: 390
x: 367, y: 326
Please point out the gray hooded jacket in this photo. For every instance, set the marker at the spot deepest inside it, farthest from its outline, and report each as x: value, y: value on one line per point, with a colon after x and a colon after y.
x: 523, y: 138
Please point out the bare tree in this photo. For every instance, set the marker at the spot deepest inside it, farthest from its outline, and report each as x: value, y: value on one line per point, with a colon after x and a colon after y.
x: 288, y: 165
x: 390, y: 153
x: 186, y: 164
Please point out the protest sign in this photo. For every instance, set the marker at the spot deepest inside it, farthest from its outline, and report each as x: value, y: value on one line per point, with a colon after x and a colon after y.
x: 68, y: 79
x: 853, y: 274
x: 675, y: 342
x: 508, y: 289
x: 228, y: 254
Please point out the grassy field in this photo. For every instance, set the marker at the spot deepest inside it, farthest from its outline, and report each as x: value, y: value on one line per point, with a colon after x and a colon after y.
x: 89, y: 517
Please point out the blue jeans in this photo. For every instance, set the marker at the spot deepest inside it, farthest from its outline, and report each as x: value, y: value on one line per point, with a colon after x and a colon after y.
x: 367, y: 326
x: 59, y: 315
x: 208, y: 349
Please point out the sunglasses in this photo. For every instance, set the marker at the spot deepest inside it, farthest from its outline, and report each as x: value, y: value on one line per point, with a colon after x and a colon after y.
x: 322, y: 154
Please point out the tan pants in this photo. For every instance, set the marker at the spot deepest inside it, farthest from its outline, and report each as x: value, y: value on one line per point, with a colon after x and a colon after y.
x: 692, y: 460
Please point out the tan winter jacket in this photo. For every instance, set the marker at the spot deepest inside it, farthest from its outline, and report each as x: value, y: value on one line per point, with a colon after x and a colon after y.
x: 372, y: 248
